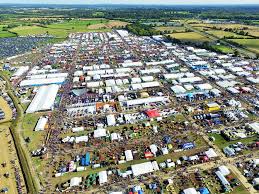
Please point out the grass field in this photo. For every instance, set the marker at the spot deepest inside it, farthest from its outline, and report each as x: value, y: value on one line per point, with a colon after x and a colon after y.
x: 221, y: 142
x: 62, y: 29
x: 172, y: 29
x: 190, y: 37
x: 222, y: 34
x: 76, y: 24
x: 5, y: 34
x: 224, y: 49
x: 7, y: 110
x: 7, y: 153
x: 252, y: 30
x: 36, y: 137
x: 252, y: 44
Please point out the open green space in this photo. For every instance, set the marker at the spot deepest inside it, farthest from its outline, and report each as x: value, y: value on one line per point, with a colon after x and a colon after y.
x: 223, y: 48
x: 5, y: 34
x: 222, y: 34
x: 76, y: 24
x: 190, y: 37
x: 36, y: 137
x: 221, y: 142
x: 171, y: 29
x: 252, y: 44
x: 60, y: 30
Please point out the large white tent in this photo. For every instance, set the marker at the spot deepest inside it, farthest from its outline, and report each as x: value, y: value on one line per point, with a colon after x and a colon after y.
x: 143, y: 168
x: 44, y: 99
x: 41, y: 124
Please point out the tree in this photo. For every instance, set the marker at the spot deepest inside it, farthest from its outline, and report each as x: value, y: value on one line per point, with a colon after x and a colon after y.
x: 236, y: 53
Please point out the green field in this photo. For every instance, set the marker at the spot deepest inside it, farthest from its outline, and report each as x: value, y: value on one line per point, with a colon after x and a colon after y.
x: 222, y: 34
x: 5, y: 34
x: 77, y: 25
x: 221, y: 142
x: 59, y: 30
x: 171, y: 29
x: 36, y: 137
x: 222, y: 48
x: 190, y: 37
x: 252, y: 44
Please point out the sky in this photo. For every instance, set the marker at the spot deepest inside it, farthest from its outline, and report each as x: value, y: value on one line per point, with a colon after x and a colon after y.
x: 192, y: 2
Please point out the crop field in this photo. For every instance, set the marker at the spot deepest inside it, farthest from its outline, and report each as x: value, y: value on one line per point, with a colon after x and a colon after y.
x: 171, y: 29
x: 223, y: 26
x: 252, y: 30
x: 222, y: 34
x: 76, y: 24
x: 8, y: 154
x: 252, y: 44
x: 109, y: 24
x: 190, y: 37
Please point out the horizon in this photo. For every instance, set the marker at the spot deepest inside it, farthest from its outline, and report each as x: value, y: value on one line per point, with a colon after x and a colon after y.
x: 128, y: 2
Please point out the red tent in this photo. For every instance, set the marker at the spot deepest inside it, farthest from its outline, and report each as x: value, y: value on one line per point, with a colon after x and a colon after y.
x: 152, y: 113
x: 148, y: 155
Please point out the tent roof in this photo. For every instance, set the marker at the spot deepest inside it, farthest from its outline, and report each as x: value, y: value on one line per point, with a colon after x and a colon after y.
x: 152, y: 113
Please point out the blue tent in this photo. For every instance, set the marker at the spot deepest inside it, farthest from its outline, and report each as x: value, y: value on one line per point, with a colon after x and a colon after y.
x: 203, y: 190
x: 188, y: 145
x: 167, y: 139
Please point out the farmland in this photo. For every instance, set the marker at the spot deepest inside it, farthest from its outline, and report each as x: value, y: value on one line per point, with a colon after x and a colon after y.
x: 5, y: 34
x: 252, y: 44
x: 224, y: 34
x: 171, y: 29
x: 8, y: 156
x: 63, y: 28
x: 190, y: 37
x: 58, y: 30
x: 223, y: 49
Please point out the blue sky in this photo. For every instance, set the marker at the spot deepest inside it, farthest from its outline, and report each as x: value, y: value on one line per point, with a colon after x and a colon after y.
x: 134, y: 1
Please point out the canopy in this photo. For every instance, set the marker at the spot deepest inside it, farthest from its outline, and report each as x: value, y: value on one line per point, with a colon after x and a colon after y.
x: 152, y: 113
